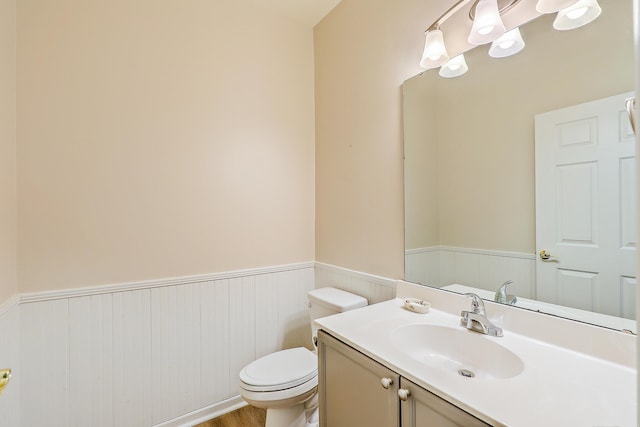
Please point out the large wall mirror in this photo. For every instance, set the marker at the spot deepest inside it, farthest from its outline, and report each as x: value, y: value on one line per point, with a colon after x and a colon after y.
x: 470, y: 172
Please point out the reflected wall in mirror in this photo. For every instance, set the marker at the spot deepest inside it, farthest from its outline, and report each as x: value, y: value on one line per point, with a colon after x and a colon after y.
x: 470, y: 206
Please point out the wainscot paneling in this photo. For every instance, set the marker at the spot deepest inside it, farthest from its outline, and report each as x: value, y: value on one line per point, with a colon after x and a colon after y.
x: 154, y: 353
x: 440, y: 266
x: 158, y: 353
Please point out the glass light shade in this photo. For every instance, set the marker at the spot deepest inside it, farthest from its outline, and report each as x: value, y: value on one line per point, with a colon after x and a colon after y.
x: 435, y: 53
x: 456, y: 67
x: 552, y: 6
x: 487, y: 25
x: 581, y: 13
x: 509, y: 44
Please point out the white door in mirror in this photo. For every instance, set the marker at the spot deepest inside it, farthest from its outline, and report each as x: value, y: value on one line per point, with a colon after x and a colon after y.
x: 585, y: 207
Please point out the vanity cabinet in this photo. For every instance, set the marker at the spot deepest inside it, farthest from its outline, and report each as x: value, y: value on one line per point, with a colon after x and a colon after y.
x: 355, y: 390
x: 423, y: 408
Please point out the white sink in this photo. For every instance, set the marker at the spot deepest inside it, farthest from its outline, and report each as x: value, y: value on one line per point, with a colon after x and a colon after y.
x: 458, y: 350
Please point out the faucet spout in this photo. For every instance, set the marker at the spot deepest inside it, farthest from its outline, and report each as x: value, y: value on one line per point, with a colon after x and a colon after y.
x: 502, y: 296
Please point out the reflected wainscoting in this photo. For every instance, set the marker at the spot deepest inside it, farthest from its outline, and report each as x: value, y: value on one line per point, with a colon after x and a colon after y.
x: 444, y: 265
x: 159, y: 353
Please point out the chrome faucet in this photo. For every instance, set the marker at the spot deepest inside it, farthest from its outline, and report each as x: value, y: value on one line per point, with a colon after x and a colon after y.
x: 502, y: 296
x: 476, y: 319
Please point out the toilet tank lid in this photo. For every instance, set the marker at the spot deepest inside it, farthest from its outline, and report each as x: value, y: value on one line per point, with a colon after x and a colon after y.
x: 336, y: 299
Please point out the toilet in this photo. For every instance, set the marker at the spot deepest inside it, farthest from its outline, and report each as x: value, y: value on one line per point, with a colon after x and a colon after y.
x: 285, y: 383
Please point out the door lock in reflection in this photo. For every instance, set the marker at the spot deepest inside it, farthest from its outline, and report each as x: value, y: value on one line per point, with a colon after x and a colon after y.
x: 545, y: 255
x: 5, y: 376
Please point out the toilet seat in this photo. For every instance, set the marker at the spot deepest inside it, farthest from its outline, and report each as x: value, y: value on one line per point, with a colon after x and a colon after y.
x: 281, y: 370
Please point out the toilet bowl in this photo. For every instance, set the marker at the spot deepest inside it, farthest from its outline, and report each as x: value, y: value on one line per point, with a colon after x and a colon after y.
x: 281, y: 382
x: 285, y: 383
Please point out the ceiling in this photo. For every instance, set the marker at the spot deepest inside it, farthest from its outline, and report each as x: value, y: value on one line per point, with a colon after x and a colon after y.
x: 309, y: 12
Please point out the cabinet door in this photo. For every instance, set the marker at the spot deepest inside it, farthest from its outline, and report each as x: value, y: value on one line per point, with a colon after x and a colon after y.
x: 351, y: 390
x: 425, y: 409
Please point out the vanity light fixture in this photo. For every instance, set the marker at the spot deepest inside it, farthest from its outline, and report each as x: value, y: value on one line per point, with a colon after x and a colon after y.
x: 435, y: 53
x: 487, y: 23
x: 456, y: 67
x: 579, y: 14
x: 485, y: 15
x: 488, y: 27
x: 509, y: 44
x: 552, y: 6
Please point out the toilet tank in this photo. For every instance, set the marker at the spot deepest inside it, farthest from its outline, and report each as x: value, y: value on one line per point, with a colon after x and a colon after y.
x: 327, y: 301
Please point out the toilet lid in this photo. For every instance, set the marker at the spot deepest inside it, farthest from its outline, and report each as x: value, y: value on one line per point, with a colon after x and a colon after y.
x: 280, y: 370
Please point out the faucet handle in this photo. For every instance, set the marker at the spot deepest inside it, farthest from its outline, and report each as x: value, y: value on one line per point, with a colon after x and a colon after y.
x: 476, y: 303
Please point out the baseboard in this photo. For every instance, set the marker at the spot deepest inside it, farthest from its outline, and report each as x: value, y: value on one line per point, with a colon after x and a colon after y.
x: 205, y: 414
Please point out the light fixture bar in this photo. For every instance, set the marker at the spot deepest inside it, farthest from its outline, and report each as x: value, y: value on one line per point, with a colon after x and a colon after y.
x: 503, y: 6
x: 448, y: 14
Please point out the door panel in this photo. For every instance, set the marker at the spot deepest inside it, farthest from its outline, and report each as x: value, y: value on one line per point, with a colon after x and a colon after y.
x: 577, y: 203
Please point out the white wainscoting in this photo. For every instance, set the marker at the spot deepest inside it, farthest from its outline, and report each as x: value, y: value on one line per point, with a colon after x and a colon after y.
x: 155, y: 353
x: 10, y: 358
x: 442, y: 265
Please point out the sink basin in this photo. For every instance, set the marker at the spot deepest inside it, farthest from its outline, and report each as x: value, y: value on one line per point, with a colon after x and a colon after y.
x: 458, y: 350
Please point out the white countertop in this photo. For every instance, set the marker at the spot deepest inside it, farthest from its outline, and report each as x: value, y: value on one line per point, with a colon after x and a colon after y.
x: 558, y: 386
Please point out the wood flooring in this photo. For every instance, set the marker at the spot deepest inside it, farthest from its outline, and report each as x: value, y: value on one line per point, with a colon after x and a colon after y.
x: 247, y: 416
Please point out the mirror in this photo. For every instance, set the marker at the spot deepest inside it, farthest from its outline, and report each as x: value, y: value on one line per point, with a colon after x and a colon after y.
x: 470, y: 205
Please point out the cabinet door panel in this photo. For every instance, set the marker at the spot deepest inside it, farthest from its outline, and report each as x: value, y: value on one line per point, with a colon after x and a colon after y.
x: 350, y: 389
x: 425, y: 409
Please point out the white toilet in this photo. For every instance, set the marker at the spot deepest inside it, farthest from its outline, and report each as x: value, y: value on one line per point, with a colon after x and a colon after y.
x: 285, y: 382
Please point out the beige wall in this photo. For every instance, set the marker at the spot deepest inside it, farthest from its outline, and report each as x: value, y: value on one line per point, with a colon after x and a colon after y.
x: 364, y: 50
x: 8, y: 200
x: 486, y: 126
x: 168, y: 139
x: 160, y: 139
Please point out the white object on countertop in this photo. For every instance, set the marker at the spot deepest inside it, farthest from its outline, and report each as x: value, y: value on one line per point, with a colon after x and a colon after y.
x: 416, y: 305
